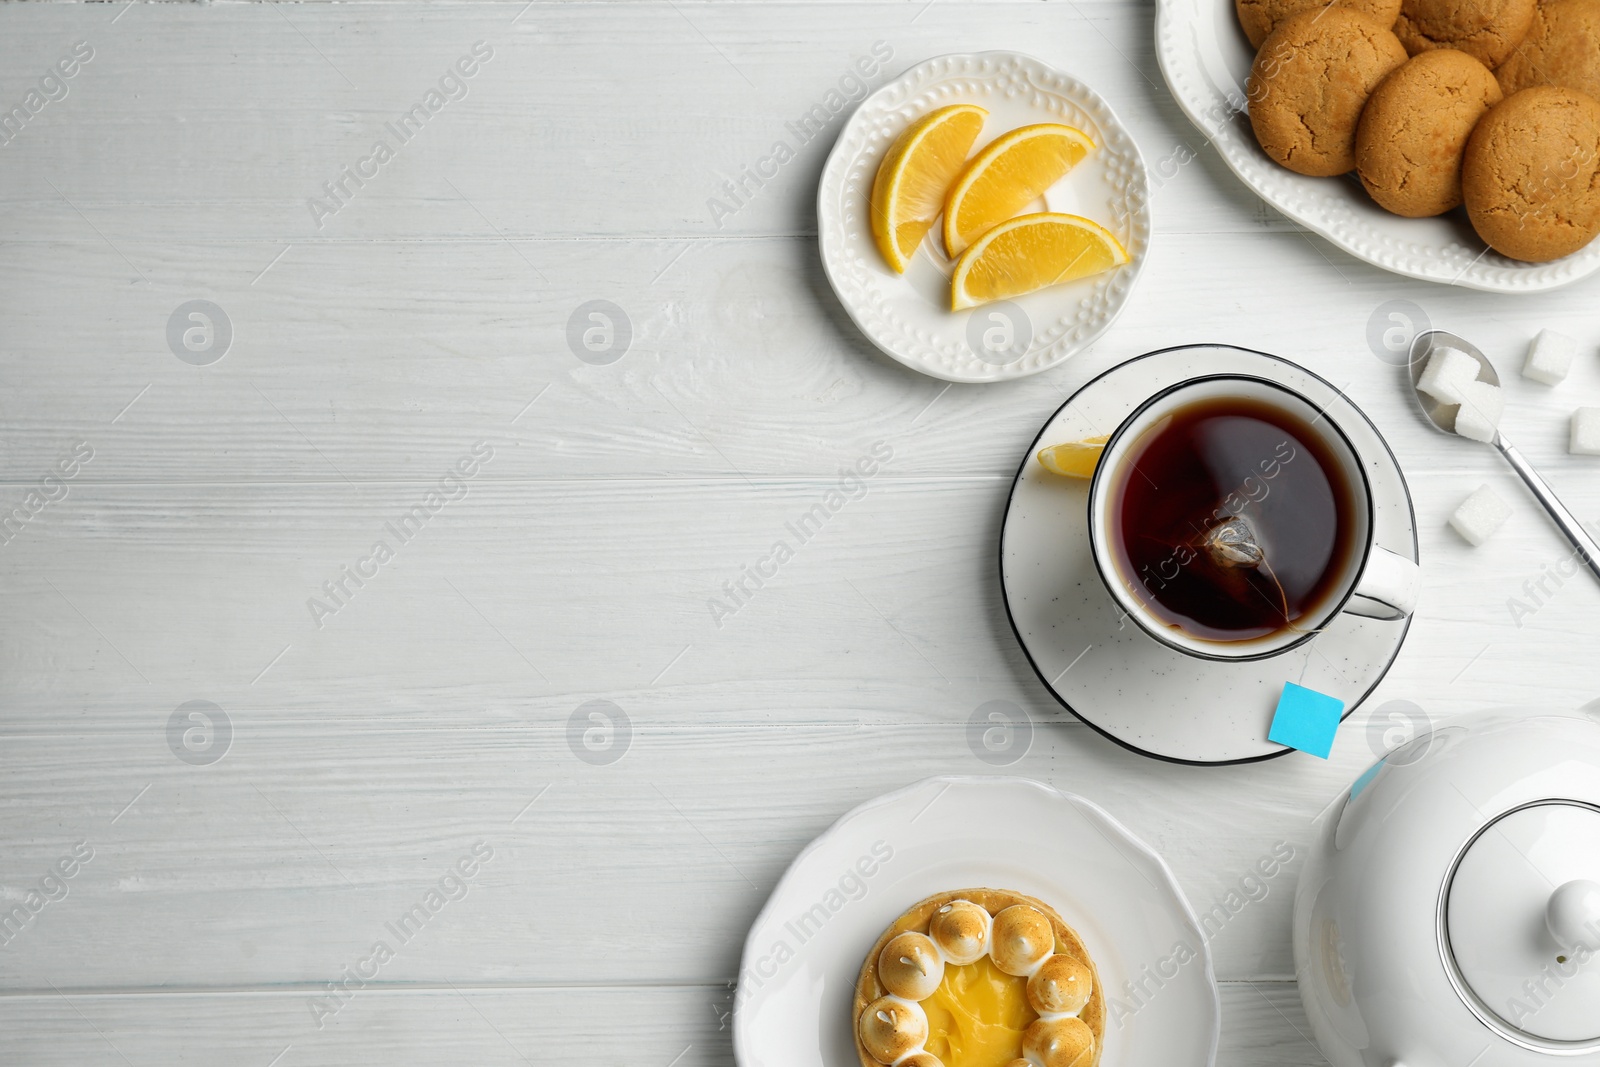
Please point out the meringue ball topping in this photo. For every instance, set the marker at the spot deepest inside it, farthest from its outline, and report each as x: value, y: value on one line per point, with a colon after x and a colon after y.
x: 910, y: 966
x: 979, y: 978
x: 1059, y: 1043
x: 891, y: 1027
x: 961, y: 929
x: 1022, y: 937
x: 1062, y: 984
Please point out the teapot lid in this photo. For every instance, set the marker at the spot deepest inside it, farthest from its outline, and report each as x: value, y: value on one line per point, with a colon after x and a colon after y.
x: 1519, y: 921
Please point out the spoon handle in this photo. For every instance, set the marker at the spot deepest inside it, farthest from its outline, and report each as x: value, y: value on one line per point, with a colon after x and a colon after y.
x: 1563, y: 518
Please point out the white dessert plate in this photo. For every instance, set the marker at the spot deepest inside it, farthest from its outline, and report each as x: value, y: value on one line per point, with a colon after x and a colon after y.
x: 908, y: 316
x: 1206, y: 59
x: 1103, y: 668
x: 804, y: 953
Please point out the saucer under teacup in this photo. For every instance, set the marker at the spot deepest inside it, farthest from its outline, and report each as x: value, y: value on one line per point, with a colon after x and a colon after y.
x: 1107, y: 671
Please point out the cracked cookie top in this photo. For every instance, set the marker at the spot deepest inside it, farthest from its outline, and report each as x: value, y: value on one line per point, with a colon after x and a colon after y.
x: 1308, y: 85
x: 1531, y: 174
x: 1414, y: 131
x: 1486, y: 30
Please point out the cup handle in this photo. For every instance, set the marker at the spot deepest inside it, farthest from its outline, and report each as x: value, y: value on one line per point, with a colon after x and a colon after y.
x: 1387, y: 588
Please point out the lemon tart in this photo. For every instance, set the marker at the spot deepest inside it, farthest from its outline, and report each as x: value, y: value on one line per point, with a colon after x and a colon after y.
x: 979, y: 978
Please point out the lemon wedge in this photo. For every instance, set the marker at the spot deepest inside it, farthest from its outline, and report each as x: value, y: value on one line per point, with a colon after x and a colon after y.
x: 1012, y: 170
x: 1075, y: 459
x: 1029, y: 253
x: 916, y: 172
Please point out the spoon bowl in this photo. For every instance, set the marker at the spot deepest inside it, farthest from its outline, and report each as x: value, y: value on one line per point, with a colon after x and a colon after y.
x: 1443, y: 416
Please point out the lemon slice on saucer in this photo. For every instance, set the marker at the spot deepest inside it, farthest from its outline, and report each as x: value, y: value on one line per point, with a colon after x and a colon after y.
x: 1029, y: 253
x: 1014, y: 169
x: 916, y: 172
x: 1075, y: 459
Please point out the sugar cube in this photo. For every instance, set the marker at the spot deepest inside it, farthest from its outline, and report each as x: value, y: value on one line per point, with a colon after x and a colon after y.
x: 1585, y: 432
x: 1478, y: 417
x: 1448, y: 370
x: 1550, y: 357
x: 1480, y: 515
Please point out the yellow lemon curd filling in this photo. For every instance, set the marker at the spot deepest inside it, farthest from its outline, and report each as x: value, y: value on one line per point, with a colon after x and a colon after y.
x: 977, y: 1015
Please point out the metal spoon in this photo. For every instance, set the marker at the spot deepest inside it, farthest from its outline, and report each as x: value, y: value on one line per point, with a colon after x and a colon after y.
x: 1443, y: 418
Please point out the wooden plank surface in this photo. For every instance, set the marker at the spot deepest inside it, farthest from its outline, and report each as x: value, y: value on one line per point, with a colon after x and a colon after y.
x: 374, y: 743
x: 1263, y: 1026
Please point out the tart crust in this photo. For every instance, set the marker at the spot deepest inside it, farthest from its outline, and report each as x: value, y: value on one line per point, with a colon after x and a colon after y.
x: 917, y: 918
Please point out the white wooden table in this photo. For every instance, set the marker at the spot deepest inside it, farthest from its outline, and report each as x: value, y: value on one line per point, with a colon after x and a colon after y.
x: 368, y: 747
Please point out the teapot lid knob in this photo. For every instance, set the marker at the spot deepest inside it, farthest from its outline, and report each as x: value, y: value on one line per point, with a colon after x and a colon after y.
x: 1573, y: 914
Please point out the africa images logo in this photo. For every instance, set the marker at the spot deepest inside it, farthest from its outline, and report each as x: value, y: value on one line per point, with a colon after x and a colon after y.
x: 342, y: 588
x: 453, y: 885
x: 451, y: 86
x: 852, y: 485
x: 851, y: 87
x: 852, y: 884
x: 51, y: 87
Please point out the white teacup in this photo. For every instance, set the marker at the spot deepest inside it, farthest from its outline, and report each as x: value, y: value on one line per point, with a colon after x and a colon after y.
x: 1372, y: 581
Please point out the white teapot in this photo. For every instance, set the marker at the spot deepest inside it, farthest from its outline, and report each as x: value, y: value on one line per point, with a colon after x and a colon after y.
x: 1449, y: 914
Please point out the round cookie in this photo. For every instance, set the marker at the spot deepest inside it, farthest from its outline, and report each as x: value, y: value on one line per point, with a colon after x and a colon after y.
x: 1414, y: 131
x: 1309, y: 83
x: 1486, y: 30
x: 1562, y: 48
x: 1531, y: 174
x: 1258, y: 18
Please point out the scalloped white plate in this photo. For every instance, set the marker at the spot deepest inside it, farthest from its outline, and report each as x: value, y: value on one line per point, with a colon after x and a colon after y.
x: 804, y: 952
x: 908, y: 316
x: 1206, y: 60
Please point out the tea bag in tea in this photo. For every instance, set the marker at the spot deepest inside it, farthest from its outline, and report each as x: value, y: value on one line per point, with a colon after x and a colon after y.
x: 1232, y: 543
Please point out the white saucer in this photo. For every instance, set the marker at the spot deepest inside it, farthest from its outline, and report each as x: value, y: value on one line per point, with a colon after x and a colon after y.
x: 1206, y: 60
x: 1106, y: 670
x: 909, y: 316
x: 793, y: 1007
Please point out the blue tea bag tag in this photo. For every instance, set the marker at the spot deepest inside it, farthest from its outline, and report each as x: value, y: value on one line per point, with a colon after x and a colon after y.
x: 1306, y: 720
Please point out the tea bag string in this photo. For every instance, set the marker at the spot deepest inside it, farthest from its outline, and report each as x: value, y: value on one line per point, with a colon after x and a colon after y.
x: 1232, y: 543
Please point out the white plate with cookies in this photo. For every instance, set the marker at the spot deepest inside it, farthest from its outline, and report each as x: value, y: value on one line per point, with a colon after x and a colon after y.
x: 998, y: 840
x: 1206, y: 59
